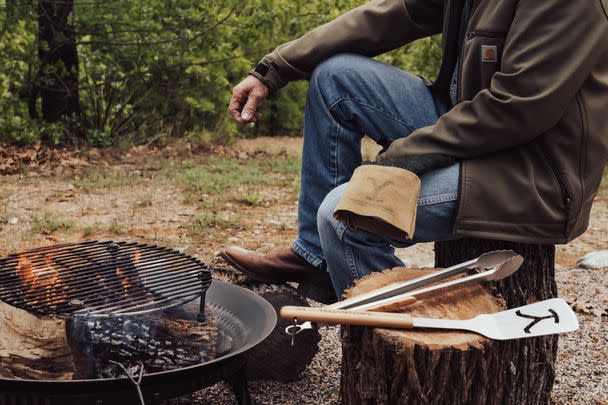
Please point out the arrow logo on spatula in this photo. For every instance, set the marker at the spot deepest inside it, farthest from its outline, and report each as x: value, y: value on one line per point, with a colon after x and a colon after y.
x: 537, y: 319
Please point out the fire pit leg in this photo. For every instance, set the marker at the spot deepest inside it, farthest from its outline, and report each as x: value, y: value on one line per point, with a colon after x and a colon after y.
x: 240, y: 387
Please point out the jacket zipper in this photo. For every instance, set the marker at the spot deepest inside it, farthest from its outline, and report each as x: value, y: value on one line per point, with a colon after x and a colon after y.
x: 446, y: 61
x: 582, y: 157
x: 486, y: 34
x: 461, y: 54
x: 563, y: 185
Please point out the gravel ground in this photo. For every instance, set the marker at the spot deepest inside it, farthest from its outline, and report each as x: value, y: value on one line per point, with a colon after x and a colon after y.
x: 582, y: 366
x: 138, y: 210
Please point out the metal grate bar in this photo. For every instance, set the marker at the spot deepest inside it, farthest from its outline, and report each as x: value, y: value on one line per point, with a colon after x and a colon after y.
x: 140, y: 302
x: 66, y: 249
x: 84, y: 288
x: 69, y: 273
x: 167, y: 295
x: 101, y: 279
x: 80, y: 256
x: 130, y: 295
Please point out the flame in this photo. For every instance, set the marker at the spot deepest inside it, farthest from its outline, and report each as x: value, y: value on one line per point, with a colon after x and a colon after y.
x: 136, y: 258
x: 124, y: 280
x: 41, y: 280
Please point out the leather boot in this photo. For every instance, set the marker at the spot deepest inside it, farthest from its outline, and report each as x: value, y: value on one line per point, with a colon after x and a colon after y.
x: 276, y: 267
x: 282, y: 266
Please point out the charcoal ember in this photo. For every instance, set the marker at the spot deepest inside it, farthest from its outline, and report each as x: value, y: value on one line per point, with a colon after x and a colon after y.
x: 160, y: 342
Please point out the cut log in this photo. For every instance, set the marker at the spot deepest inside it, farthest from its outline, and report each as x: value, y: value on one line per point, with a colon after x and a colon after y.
x: 382, y: 366
x: 33, y: 347
x: 431, y: 367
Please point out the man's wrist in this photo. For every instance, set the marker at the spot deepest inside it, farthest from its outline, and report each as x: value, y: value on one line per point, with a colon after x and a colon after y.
x: 267, y: 71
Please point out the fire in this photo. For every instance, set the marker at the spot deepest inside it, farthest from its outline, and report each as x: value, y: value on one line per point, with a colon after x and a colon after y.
x: 41, y: 280
x: 136, y: 258
x: 124, y: 280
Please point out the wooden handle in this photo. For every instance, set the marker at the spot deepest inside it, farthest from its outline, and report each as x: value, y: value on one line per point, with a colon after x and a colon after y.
x: 347, y: 317
x: 393, y: 306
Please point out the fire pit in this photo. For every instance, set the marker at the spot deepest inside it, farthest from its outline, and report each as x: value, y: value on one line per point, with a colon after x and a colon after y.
x: 90, y: 284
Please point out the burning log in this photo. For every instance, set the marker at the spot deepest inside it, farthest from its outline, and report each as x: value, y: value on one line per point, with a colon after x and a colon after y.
x: 160, y: 342
x: 35, y: 347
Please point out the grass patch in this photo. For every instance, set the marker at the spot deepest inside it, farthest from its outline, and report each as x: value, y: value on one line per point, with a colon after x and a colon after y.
x: 117, y: 228
x: 250, y: 199
x: 97, y: 179
x: 90, y: 230
x: 207, y: 220
x: 218, y: 176
x: 48, y: 224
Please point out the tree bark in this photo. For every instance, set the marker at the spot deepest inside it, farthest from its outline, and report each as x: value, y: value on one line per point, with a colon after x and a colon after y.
x: 381, y: 366
x: 531, y: 374
x: 57, y: 81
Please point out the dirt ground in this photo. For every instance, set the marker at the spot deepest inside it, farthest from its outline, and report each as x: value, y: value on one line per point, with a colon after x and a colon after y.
x: 199, y: 200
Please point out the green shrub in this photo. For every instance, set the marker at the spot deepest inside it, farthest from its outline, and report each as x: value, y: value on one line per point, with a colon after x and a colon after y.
x: 151, y: 69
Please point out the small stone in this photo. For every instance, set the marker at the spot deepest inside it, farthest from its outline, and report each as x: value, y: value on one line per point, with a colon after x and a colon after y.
x: 70, y: 187
x: 243, y: 155
x: 13, y: 221
x: 233, y: 239
x: 594, y: 260
x: 257, y: 232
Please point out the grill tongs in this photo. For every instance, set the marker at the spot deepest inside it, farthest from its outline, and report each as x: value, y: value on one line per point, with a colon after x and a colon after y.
x: 492, y: 266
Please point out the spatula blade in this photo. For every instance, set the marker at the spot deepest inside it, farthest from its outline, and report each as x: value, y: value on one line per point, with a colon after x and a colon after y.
x: 542, y: 318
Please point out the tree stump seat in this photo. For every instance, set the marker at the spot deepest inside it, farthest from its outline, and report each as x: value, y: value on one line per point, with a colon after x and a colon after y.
x: 382, y: 366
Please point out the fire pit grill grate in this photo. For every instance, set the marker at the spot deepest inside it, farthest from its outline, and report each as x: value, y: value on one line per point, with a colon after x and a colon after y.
x: 101, y: 279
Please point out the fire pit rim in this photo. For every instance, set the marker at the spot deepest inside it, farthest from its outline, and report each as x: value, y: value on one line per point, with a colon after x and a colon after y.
x: 267, y: 316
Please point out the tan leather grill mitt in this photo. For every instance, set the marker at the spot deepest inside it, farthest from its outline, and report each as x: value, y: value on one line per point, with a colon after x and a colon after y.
x: 381, y: 200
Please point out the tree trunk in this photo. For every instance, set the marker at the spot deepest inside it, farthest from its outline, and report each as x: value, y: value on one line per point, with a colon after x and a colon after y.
x: 57, y: 81
x: 530, y: 377
x: 382, y: 366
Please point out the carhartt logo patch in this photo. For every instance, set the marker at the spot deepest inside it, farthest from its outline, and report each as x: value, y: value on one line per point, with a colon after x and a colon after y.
x: 489, y: 53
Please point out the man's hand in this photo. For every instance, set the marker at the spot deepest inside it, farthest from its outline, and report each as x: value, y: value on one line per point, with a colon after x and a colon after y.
x: 246, y: 97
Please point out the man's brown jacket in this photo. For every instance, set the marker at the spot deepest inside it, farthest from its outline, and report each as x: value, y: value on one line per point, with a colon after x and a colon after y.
x: 531, y: 127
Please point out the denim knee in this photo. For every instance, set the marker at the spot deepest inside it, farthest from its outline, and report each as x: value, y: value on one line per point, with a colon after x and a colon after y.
x: 325, y: 216
x: 337, y: 70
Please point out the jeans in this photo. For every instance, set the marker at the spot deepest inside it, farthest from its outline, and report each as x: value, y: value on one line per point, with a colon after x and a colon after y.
x: 351, y: 96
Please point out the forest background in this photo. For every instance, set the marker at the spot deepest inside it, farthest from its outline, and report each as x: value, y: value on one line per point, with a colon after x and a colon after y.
x: 124, y: 72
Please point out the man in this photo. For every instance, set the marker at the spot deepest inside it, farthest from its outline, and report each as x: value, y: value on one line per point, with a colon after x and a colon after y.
x: 510, y: 140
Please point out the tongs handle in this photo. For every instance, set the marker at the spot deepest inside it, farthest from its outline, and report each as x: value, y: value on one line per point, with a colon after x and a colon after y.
x: 348, y: 317
x: 394, y: 306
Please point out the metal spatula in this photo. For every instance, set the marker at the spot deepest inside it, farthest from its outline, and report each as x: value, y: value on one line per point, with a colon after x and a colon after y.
x: 542, y: 318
